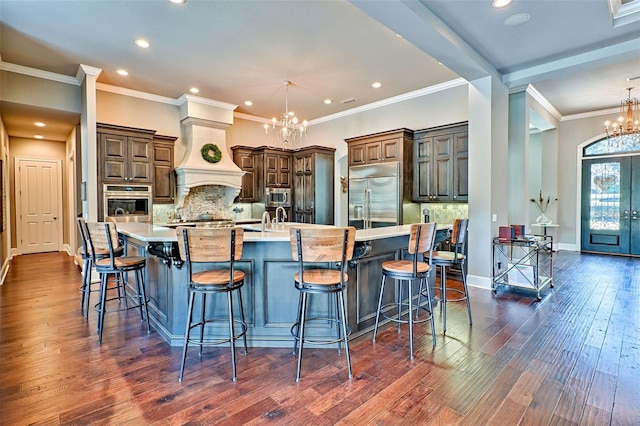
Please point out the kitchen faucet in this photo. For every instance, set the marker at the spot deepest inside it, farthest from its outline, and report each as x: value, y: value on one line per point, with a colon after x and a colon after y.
x: 266, y: 219
x: 284, y: 214
x: 119, y: 210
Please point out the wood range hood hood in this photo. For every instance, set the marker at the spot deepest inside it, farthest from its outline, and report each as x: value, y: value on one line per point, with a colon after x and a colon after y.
x: 194, y: 171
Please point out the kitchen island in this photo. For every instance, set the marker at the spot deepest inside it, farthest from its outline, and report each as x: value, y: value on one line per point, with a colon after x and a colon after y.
x: 269, y: 297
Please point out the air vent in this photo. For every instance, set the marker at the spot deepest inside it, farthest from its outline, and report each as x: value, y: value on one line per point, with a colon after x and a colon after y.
x: 348, y: 100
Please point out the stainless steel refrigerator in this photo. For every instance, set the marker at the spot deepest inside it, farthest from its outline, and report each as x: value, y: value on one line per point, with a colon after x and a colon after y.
x: 374, y: 195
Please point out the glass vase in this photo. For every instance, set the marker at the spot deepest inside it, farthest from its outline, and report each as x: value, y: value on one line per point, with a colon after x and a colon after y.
x: 543, y: 220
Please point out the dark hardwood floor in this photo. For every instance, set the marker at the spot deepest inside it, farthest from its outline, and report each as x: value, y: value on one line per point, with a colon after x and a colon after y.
x: 572, y: 358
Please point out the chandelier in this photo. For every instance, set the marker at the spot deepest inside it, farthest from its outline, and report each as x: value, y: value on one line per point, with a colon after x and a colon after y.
x: 625, y: 131
x: 290, y: 131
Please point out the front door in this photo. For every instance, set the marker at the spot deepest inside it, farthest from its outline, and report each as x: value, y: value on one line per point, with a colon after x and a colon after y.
x: 40, y: 200
x: 611, y: 205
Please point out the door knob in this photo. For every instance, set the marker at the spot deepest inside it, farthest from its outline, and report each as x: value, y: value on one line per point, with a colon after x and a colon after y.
x: 625, y: 214
x: 634, y: 215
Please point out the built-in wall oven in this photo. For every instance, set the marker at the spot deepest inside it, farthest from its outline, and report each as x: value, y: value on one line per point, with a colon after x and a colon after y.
x: 128, y: 203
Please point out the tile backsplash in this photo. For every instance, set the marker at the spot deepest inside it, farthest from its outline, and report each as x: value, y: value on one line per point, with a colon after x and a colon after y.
x: 446, y: 213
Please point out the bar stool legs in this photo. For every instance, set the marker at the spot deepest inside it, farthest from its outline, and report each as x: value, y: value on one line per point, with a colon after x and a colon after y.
x: 202, y: 341
x: 341, y: 326
x: 409, y: 303
x: 444, y: 299
x: 140, y: 296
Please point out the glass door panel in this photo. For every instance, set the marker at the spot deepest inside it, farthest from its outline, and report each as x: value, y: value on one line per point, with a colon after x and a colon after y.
x: 608, y: 223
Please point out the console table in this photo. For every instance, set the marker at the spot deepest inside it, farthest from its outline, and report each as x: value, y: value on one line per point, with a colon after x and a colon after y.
x: 525, y: 262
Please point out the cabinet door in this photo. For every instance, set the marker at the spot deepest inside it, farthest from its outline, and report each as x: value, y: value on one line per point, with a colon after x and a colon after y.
x: 139, y: 160
x: 113, y: 150
x: 284, y: 171
x: 461, y: 166
x: 357, y: 154
x: 373, y: 152
x: 163, y: 185
x: 443, y: 162
x: 390, y: 150
x: 422, y: 171
x: 247, y: 163
x: 271, y: 169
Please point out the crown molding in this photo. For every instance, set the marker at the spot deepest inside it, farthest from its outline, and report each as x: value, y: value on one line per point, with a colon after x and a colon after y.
x: 33, y: 72
x: 591, y: 114
x: 393, y: 100
x: 85, y: 70
x: 543, y: 102
x: 205, y: 101
x: 136, y: 94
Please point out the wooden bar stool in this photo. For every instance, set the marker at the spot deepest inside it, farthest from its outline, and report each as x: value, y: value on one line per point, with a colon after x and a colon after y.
x: 321, y: 245
x: 103, y: 236
x: 455, y: 257
x: 88, y: 264
x: 224, y: 247
x: 417, y: 269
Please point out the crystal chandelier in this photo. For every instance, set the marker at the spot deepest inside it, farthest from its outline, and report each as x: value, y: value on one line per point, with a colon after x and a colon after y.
x: 290, y: 131
x: 625, y: 130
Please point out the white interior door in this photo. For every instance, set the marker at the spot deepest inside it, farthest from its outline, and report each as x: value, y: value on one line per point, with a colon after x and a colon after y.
x: 40, y: 200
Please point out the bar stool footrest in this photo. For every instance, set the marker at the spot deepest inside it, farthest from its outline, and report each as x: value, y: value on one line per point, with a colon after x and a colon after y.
x: 214, y: 342
x: 400, y: 320
x: 128, y: 306
x: 319, y: 342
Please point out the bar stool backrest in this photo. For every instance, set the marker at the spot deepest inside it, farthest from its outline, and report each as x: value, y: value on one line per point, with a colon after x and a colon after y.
x: 322, y: 244
x: 102, y: 236
x: 210, y: 244
x: 83, y: 236
x: 421, y: 241
x: 459, y: 235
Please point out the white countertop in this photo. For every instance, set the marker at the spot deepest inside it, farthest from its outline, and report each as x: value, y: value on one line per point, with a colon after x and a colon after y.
x: 156, y: 233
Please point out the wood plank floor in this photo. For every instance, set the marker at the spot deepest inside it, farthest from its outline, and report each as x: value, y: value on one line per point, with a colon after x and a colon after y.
x: 572, y: 358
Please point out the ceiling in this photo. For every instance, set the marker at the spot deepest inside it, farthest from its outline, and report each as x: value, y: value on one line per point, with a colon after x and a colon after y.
x: 573, y: 52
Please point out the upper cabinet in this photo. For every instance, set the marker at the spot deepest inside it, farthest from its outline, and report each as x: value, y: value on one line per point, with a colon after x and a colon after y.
x: 163, y: 174
x: 440, y: 172
x: 125, y: 154
x: 277, y: 168
x: 380, y: 147
x: 247, y: 159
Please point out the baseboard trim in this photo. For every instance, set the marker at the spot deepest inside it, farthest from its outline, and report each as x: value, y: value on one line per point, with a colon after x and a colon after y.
x: 479, y: 281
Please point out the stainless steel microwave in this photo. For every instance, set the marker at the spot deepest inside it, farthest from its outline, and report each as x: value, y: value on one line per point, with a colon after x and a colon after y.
x: 276, y: 197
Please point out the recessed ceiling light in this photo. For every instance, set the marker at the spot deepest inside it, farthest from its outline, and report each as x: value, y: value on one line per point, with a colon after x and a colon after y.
x: 248, y: 103
x: 142, y: 43
x: 39, y: 137
x: 398, y: 35
x: 517, y: 19
x: 39, y: 124
x: 194, y: 90
x: 178, y: 1
x: 122, y: 72
x: 328, y: 101
x: 500, y: 3
x: 376, y: 85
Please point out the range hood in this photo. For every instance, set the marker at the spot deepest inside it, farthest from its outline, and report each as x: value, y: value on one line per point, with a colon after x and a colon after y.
x: 194, y: 171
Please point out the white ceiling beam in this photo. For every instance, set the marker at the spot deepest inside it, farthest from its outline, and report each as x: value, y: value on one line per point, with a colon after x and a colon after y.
x: 418, y: 25
x: 576, y: 63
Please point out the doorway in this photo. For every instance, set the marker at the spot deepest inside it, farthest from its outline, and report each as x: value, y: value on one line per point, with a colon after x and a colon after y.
x: 38, y: 205
x: 610, y: 218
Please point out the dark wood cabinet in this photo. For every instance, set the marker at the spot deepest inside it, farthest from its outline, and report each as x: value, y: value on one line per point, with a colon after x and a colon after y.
x: 313, y: 185
x: 277, y: 168
x: 440, y: 172
x: 376, y: 148
x: 125, y: 154
x: 163, y: 174
x: 247, y: 159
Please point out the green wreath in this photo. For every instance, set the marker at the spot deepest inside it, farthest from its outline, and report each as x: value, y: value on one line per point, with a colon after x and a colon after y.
x: 211, y: 153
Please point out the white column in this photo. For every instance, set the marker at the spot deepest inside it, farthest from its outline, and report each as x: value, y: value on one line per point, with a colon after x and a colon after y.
x: 488, y: 117
x: 87, y: 76
x: 519, y: 153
